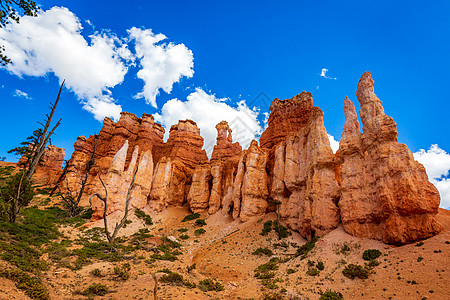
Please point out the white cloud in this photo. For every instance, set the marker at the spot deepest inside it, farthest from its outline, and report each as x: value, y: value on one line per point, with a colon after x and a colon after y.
x: 437, y: 164
x: 443, y: 187
x: 52, y: 43
x: 333, y: 143
x: 324, y: 72
x: 103, y: 107
x: 21, y: 94
x: 207, y: 110
x: 162, y: 64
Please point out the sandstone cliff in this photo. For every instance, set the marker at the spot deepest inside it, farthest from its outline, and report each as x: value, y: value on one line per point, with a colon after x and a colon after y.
x: 372, y: 185
x: 385, y: 193
x: 49, y: 168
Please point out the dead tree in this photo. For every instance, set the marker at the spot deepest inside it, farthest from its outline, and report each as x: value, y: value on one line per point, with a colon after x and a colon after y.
x: 73, y: 200
x: 104, y: 199
x: 44, y: 138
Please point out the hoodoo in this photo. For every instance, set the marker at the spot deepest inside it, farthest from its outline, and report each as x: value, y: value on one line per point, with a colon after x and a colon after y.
x: 372, y: 185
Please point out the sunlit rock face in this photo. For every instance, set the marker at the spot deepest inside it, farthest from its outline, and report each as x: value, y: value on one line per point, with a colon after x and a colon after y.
x: 302, y: 167
x: 372, y: 185
x: 385, y: 193
x: 49, y: 168
x: 224, y: 164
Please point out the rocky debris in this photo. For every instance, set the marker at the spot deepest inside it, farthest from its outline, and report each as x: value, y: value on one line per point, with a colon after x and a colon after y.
x: 385, y: 193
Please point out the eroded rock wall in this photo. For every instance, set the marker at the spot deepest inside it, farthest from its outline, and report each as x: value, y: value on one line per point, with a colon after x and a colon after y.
x: 372, y: 184
x: 385, y: 193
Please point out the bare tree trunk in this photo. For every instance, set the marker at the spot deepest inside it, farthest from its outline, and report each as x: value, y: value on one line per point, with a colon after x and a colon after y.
x: 44, y: 137
x: 60, y: 179
x: 118, y: 226
x: 155, y: 288
x: 74, y: 200
x: 14, y: 209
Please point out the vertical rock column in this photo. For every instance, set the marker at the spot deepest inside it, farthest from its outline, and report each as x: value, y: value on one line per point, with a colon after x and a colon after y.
x: 386, y: 194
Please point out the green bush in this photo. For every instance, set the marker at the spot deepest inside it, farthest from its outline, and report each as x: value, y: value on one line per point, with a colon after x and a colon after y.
x: 320, y: 266
x: 330, y: 295
x: 31, y: 285
x: 143, y: 216
x: 191, y: 217
x: 265, y: 275
x: 282, y: 231
x: 304, y: 249
x: 312, y: 272
x: 8, y: 194
x: 184, y: 237
x: 290, y: 271
x: 191, y: 267
x: 199, y: 231
x: 173, y: 278
x: 123, y: 272
x: 200, y: 222
x: 97, y: 272
x: 262, y: 251
x: 209, y: 285
x: 96, y: 289
x: 272, y: 265
x: 165, y: 256
x: 372, y: 263
x: 182, y: 230
x: 371, y: 254
x: 353, y: 271
x: 267, y: 227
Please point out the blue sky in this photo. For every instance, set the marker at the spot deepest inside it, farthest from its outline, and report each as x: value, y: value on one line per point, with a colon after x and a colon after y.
x: 228, y: 52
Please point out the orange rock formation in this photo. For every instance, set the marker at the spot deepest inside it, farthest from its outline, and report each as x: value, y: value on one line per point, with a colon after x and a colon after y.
x: 372, y: 185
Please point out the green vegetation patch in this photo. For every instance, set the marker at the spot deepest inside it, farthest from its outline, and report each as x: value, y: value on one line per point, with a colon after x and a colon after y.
x: 143, y: 216
x: 371, y: 254
x: 312, y: 272
x: 210, y: 285
x: 353, y: 271
x: 331, y: 295
x: 191, y: 217
x: 95, y: 289
x: 199, y: 231
x: 200, y: 222
x: 31, y: 285
x: 175, y: 279
x: 303, y: 250
x: 263, y: 251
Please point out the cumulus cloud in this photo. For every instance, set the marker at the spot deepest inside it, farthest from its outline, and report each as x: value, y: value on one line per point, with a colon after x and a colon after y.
x: 324, y: 74
x: 162, y: 64
x: 207, y: 110
x: 52, y: 43
x: 333, y: 143
x: 437, y: 164
x: 103, y: 107
x: 21, y: 94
